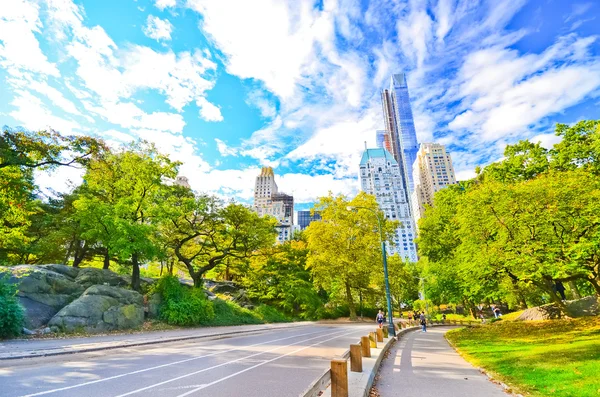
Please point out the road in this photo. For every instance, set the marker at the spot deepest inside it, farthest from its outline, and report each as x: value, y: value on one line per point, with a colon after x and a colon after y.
x: 273, y: 363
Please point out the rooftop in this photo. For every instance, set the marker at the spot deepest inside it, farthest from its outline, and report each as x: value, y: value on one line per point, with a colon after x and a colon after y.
x: 376, y: 153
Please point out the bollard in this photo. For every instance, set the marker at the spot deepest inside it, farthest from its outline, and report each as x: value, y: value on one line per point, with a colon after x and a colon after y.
x: 386, y: 332
x: 398, y: 326
x: 355, y: 358
x: 373, y: 340
x: 379, y: 335
x: 366, y: 346
x: 339, y: 378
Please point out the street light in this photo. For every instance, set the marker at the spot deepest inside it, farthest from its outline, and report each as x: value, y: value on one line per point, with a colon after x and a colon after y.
x: 392, y: 330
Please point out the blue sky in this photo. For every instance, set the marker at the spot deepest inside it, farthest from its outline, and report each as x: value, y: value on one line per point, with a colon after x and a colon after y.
x: 227, y: 86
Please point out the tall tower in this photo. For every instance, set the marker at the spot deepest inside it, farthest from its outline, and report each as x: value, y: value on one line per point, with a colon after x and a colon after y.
x: 269, y: 201
x: 405, y: 125
x: 380, y: 176
x: 432, y: 171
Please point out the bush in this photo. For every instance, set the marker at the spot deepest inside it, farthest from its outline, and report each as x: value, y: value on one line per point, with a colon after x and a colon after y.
x: 229, y: 313
x: 270, y: 314
x: 181, y: 306
x: 11, y: 312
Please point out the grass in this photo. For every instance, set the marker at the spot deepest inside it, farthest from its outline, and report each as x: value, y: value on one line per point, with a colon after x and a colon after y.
x: 537, y: 358
x: 229, y: 313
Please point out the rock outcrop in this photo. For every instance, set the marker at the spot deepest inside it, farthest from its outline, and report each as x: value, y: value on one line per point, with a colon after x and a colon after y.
x: 588, y: 306
x: 101, y: 308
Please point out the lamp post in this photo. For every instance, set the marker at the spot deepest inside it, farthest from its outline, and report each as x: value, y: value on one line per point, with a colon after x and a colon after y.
x: 392, y: 330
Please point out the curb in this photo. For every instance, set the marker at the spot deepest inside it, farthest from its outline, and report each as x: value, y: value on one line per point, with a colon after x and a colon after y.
x: 142, y: 343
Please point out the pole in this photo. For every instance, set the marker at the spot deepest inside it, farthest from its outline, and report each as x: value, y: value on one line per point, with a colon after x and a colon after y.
x: 392, y: 330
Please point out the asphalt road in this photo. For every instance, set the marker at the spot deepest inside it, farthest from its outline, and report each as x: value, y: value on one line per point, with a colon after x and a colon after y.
x: 274, y: 363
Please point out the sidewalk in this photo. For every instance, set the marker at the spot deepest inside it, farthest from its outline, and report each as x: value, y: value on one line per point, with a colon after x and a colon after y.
x: 16, y: 349
x: 425, y: 365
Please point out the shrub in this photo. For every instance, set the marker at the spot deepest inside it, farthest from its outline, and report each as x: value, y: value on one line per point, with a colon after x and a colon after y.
x: 182, y: 306
x: 270, y: 314
x: 229, y: 313
x: 11, y: 312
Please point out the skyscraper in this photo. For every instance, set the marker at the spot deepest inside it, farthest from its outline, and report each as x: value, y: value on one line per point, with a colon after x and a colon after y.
x: 380, y: 176
x: 432, y: 171
x: 305, y: 218
x: 268, y: 201
x: 400, y: 127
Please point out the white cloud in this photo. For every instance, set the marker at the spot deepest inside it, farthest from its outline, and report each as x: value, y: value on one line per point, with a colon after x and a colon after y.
x: 209, y: 111
x: 158, y: 29
x: 546, y: 140
x: 19, y: 47
x: 162, y: 4
x: 258, y: 99
x: 224, y: 149
x: 34, y: 115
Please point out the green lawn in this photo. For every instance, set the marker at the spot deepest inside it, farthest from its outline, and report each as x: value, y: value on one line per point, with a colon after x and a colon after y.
x: 537, y: 358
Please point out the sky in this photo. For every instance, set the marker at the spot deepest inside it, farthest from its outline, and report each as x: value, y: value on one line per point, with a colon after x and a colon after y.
x: 228, y: 86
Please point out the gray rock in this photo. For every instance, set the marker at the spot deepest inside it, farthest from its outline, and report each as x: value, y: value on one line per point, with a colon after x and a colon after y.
x: 36, y: 313
x: 89, y: 276
x: 65, y: 270
x: 101, y: 308
x: 588, y: 306
x: 45, y: 331
x: 225, y: 287
x: 154, y: 306
x: 28, y: 331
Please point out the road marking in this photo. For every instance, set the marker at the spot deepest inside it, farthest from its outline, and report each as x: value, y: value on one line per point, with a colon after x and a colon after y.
x: 219, y: 365
x: 260, y: 364
x: 161, y: 366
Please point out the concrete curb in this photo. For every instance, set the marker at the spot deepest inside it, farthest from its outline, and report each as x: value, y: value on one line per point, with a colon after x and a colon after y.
x: 143, y: 343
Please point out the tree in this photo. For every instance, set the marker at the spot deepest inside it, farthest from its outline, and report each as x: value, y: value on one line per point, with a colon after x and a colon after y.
x: 282, y: 280
x: 204, y: 233
x: 119, y: 205
x: 345, y: 251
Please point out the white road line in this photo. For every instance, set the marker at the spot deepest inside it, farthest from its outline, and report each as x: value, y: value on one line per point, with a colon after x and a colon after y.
x: 161, y: 366
x: 216, y: 366
x: 260, y: 364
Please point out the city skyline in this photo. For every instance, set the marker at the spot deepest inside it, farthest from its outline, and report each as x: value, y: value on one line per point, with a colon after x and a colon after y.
x: 228, y: 94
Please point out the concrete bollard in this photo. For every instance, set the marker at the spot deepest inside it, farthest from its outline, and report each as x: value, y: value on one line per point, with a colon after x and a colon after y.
x: 366, y: 346
x: 386, y: 332
x: 373, y: 340
x: 379, y: 334
x: 355, y: 358
x: 339, y: 378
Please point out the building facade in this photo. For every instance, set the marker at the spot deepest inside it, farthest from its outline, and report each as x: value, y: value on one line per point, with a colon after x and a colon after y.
x: 432, y: 171
x: 182, y: 181
x: 269, y: 201
x: 380, y: 175
x: 305, y: 218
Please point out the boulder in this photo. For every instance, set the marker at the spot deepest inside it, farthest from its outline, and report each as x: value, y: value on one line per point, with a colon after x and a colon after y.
x: 588, y: 306
x: 224, y: 287
x: 101, y: 308
x: 42, y: 291
x: 89, y: 276
x: 154, y: 303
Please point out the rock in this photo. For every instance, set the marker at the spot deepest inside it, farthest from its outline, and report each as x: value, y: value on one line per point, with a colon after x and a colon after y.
x: 28, y: 331
x: 154, y: 306
x: 588, y: 306
x: 42, y: 291
x: 45, y: 331
x: 225, y: 287
x: 89, y: 276
x: 101, y: 308
x: 65, y: 270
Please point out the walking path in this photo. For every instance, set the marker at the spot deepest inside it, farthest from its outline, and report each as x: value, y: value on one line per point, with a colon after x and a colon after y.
x: 424, y: 364
x: 23, y: 348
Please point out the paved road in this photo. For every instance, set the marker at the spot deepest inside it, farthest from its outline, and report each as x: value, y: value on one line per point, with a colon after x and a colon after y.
x: 424, y: 364
x: 273, y: 363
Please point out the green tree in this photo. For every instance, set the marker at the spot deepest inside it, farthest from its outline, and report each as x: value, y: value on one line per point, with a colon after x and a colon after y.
x: 120, y: 202
x: 345, y: 252
x: 282, y: 280
x: 204, y: 233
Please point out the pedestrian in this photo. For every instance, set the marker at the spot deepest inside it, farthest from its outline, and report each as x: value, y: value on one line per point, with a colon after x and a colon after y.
x: 443, y: 318
x: 380, y: 319
x: 497, y: 312
x: 494, y: 311
x: 560, y: 288
x: 423, y: 322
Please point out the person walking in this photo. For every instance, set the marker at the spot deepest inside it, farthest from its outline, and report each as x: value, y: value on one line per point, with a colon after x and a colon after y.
x: 423, y: 322
x: 380, y: 319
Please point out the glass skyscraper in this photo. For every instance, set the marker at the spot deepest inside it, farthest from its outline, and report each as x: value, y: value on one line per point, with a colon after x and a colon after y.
x: 400, y: 127
x: 305, y: 218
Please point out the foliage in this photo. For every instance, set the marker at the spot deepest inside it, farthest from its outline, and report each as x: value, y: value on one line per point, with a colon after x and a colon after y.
x: 344, y: 245
x: 282, y: 280
x: 523, y: 225
x: 11, y: 312
x: 545, y: 358
x: 183, y: 306
x: 230, y: 313
x: 270, y: 315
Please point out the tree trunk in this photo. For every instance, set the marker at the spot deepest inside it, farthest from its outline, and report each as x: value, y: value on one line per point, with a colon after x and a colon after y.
x: 79, y: 253
x: 135, y: 273
x: 197, y: 277
x: 68, y: 254
x: 227, y: 273
x: 106, y: 264
x: 350, y: 302
x: 574, y: 290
